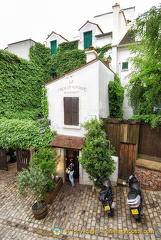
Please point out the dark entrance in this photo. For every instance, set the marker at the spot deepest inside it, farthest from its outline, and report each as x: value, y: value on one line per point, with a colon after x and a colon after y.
x: 3, y: 159
x: 70, y: 153
x: 23, y: 158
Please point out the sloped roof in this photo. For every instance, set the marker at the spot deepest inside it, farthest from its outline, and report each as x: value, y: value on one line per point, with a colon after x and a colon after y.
x: 93, y: 24
x: 66, y: 141
x: 26, y: 40
x: 128, y: 38
x: 56, y: 34
x: 78, y: 68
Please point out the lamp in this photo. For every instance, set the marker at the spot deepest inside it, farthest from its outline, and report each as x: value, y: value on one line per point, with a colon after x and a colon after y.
x: 109, y: 58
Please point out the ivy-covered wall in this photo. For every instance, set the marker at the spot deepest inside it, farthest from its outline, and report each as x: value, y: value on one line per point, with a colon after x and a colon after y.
x: 21, y: 84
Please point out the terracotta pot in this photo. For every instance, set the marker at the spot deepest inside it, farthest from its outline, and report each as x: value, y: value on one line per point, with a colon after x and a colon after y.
x: 50, y: 197
x: 39, y: 212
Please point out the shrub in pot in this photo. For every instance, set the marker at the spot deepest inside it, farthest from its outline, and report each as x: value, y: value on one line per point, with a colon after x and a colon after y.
x: 32, y: 182
x: 45, y: 159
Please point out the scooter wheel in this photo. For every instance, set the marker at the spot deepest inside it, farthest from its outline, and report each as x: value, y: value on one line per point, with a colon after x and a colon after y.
x: 111, y: 214
x: 138, y: 219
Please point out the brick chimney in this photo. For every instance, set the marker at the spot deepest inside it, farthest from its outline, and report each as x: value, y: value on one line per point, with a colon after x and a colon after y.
x: 91, y: 54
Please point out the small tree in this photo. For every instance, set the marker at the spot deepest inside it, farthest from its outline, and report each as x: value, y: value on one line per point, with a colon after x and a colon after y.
x: 96, y: 153
x: 116, y: 98
x: 32, y: 183
x: 45, y: 159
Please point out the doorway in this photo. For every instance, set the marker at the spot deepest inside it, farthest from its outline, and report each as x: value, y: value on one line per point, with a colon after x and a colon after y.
x: 127, y: 159
x: 74, y: 154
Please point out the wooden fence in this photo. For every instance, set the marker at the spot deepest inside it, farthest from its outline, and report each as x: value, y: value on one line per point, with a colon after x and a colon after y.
x: 149, y: 143
x: 132, y: 139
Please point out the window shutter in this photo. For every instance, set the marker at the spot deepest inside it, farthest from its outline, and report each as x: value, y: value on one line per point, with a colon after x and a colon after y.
x: 67, y: 111
x: 87, y: 39
x: 75, y: 111
x: 124, y: 65
x: 53, y: 46
x: 71, y: 111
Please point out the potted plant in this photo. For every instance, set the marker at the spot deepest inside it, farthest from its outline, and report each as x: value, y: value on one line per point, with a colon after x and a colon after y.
x: 32, y: 182
x: 45, y: 159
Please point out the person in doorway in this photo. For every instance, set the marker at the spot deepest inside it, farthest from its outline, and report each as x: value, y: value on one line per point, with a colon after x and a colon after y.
x: 71, y: 169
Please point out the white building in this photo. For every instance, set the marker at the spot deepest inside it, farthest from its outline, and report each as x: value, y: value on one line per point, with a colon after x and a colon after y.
x: 21, y: 48
x: 74, y: 98
x: 108, y: 28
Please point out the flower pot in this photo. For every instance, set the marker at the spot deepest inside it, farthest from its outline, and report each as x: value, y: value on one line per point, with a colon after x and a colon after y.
x: 39, y: 210
x: 50, y: 197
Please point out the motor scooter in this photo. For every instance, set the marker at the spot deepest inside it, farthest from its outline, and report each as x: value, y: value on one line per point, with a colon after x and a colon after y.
x: 134, y: 199
x: 106, y: 195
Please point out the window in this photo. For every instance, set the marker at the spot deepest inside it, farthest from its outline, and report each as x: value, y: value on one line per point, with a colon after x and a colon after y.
x: 53, y: 74
x: 71, y: 111
x: 124, y: 65
x: 87, y: 39
x: 53, y: 46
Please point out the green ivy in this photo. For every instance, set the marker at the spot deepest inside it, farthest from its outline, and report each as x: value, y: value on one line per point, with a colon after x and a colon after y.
x: 65, y: 61
x: 67, y: 46
x: 101, y: 51
x: 16, y: 133
x: 116, y: 97
x: 21, y: 83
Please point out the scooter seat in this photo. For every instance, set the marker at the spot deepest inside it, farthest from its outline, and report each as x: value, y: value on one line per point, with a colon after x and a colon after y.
x: 133, y: 193
x: 104, y: 193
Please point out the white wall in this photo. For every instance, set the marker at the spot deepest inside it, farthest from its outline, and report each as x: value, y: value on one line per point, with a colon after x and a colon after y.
x: 90, y: 84
x: 21, y: 49
x: 88, y: 27
x: 54, y: 37
x: 123, y: 54
x: 84, y: 177
x: 104, y: 76
x: 105, y: 21
x: 82, y: 84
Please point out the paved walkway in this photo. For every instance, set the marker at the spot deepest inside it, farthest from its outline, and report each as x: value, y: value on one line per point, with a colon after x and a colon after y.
x: 78, y: 214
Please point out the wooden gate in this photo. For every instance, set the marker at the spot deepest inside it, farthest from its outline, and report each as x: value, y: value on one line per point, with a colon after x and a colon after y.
x: 23, y: 158
x: 3, y: 159
x: 127, y: 159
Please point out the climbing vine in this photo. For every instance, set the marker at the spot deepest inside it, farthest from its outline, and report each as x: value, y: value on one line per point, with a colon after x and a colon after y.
x: 67, y: 59
x: 102, y: 51
x: 116, y: 97
x: 21, y: 83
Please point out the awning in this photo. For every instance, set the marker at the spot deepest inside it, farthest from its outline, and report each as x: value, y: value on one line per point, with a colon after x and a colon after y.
x: 65, y: 141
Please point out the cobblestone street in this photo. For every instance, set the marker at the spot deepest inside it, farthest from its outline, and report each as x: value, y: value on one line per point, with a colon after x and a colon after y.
x: 77, y: 212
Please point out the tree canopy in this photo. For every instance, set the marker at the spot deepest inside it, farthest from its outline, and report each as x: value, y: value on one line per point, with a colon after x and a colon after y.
x: 144, y: 89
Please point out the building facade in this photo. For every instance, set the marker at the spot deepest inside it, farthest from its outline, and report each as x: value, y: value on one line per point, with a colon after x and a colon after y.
x: 73, y: 99
x: 108, y: 28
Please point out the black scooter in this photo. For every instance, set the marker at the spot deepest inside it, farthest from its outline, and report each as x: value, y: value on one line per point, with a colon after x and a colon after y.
x: 134, y: 199
x: 106, y: 195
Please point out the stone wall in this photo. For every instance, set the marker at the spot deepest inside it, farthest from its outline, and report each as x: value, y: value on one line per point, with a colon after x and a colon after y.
x: 149, y: 179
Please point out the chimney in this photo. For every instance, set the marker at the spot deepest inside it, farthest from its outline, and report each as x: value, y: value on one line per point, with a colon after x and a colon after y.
x: 91, y: 54
x: 116, y: 9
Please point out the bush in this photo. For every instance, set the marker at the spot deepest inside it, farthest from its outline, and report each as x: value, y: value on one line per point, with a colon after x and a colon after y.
x: 32, y: 182
x: 96, y: 152
x: 45, y: 159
